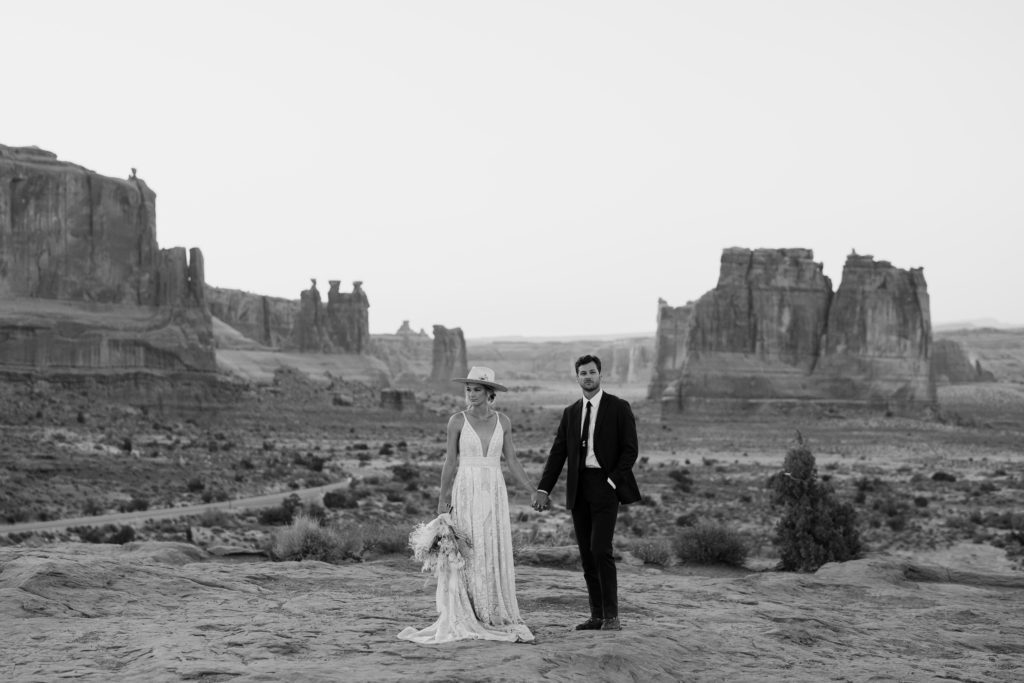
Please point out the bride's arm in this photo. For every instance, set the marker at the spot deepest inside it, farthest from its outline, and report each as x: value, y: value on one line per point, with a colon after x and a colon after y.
x: 451, y: 464
x: 508, y: 449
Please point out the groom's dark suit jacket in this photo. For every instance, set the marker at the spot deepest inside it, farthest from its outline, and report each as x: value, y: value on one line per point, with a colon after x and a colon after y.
x: 615, y: 446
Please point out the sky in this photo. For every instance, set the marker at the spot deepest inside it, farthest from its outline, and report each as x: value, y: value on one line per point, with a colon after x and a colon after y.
x: 543, y: 168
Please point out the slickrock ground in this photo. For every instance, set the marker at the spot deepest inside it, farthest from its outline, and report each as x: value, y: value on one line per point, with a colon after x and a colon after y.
x: 166, y: 612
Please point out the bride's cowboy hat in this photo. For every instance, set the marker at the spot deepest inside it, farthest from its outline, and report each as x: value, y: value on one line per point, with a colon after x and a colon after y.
x: 481, y: 375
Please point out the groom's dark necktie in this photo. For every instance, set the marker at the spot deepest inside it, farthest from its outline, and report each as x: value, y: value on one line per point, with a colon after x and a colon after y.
x: 585, y: 438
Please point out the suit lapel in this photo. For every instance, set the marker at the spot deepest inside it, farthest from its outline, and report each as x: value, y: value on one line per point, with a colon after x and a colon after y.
x: 576, y: 423
x: 602, y: 416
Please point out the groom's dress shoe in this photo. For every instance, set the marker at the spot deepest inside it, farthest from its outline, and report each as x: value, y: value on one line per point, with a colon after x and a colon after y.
x: 591, y: 624
x: 611, y: 624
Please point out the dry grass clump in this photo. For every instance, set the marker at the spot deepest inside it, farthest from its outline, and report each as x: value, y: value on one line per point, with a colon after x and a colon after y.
x: 656, y: 551
x: 711, y: 543
x: 306, y: 539
x: 385, y: 539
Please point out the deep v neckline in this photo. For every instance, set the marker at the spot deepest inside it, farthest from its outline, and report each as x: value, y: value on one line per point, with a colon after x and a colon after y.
x: 483, y: 449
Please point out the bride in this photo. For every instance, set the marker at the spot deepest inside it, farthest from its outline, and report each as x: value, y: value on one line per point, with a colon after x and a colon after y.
x: 479, y: 600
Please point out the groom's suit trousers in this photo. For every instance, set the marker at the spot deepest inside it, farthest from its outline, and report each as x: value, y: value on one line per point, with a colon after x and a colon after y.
x: 594, y: 514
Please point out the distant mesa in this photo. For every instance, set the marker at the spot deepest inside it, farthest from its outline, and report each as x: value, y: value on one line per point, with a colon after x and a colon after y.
x: 83, y: 283
x: 773, y: 332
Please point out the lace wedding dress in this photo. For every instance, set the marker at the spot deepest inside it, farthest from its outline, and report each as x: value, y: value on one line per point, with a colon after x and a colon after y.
x: 478, y: 601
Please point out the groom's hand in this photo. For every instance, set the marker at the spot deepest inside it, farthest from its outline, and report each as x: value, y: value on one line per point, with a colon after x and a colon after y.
x: 540, y: 501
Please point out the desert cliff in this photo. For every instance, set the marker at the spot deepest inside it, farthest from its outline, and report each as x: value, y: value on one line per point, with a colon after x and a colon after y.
x: 83, y: 282
x: 772, y: 331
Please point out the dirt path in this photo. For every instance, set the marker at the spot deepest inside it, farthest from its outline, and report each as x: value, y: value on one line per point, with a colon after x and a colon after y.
x: 306, y: 495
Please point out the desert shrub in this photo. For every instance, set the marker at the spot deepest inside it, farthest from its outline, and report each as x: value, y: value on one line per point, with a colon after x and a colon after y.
x: 682, y: 478
x: 711, y: 543
x: 212, y: 518
x: 987, y: 487
x: 136, y: 503
x: 895, y: 511
x: 1006, y: 519
x: 195, y: 484
x: 657, y: 551
x: 283, y: 513
x: 316, y: 479
x: 815, y: 527
x: 16, y: 514
x: 309, y: 461
x: 215, y: 494
x: 386, y: 539
x: 405, y: 472
x: 108, y: 533
x: 306, y: 539
x: 337, y: 499
x: 92, y: 507
x: 921, y: 501
x: 943, y: 476
x: 685, y: 519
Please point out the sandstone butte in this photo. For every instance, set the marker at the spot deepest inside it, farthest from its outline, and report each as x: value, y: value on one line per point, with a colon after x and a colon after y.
x: 83, y: 283
x: 773, y: 333
x: 168, y: 612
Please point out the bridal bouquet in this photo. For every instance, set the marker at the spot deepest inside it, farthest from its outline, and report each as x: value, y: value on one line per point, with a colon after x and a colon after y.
x: 439, y: 545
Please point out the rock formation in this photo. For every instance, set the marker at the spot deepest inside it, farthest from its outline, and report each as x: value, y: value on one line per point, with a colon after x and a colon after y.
x: 878, y: 345
x: 264, y: 319
x: 669, y: 346
x: 305, y: 324
x: 449, y: 356
x: 952, y: 365
x: 772, y: 331
x: 310, y: 331
x: 348, y: 318
x: 83, y: 283
x: 408, y: 354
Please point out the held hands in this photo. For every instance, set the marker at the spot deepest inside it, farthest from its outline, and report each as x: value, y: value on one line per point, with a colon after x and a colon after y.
x: 540, y: 501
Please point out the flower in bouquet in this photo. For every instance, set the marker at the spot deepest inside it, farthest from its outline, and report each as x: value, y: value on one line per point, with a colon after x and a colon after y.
x: 439, y: 545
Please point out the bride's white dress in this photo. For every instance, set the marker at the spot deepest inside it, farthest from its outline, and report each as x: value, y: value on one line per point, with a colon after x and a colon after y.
x: 478, y: 601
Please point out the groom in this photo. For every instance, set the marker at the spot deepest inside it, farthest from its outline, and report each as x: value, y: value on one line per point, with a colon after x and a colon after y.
x: 597, y: 434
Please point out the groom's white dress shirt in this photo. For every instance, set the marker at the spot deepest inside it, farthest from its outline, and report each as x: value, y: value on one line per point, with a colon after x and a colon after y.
x: 595, y: 402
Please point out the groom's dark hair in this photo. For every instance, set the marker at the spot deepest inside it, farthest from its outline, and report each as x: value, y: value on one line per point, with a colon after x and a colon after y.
x: 583, y: 360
